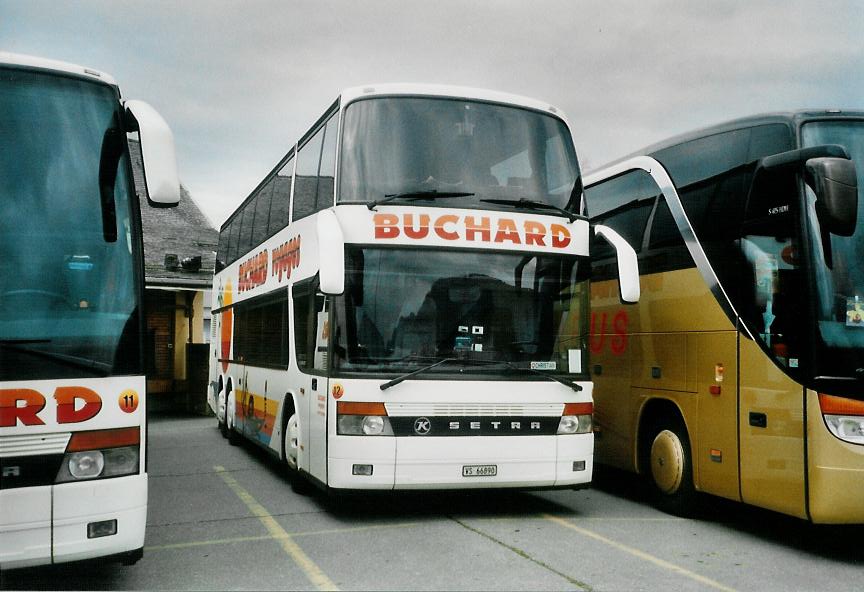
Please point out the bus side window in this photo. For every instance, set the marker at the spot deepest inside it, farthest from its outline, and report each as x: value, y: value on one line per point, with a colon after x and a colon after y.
x: 281, y: 198
x: 302, y: 308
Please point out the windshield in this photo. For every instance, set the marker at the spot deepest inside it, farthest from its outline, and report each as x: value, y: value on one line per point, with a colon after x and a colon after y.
x: 477, y: 151
x: 839, y: 264
x: 68, y: 296
x: 405, y: 308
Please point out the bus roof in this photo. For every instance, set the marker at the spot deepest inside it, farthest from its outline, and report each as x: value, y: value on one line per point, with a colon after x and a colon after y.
x: 36, y: 63
x: 787, y: 117
x: 443, y: 90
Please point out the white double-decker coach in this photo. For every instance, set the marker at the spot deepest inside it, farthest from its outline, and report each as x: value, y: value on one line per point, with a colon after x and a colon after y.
x: 403, y: 301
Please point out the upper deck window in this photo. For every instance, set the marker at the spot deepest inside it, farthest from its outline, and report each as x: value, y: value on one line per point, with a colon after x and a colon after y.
x: 411, y: 145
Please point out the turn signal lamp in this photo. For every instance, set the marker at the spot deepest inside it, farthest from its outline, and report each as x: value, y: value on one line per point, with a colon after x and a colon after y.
x: 844, y: 417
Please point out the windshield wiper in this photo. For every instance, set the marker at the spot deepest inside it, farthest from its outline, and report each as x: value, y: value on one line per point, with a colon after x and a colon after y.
x: 566, y: 382
x: 510, y: 365
x: 418, y: 195
x: 399, y: 379
x: 530, y: 204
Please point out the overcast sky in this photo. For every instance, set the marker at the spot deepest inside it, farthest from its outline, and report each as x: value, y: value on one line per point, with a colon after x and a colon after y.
x: 239, y: 82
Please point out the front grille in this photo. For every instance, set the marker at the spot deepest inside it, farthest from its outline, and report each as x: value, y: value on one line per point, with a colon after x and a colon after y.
x: 32, y: 445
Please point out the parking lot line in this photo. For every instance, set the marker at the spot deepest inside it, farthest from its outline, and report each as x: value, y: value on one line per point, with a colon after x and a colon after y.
x: 640, y: 554
x: 318, y: 578
x: 271, y: 537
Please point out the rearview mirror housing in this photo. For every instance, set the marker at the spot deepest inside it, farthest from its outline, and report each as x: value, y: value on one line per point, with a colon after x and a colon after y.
x: 835, y: 183
x: 331, y: 250
x: 158, y: 154
x: 628, y: 264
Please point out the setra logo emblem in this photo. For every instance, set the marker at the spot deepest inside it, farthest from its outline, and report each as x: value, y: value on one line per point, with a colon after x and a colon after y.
x: 11, y: 471
x: 422, y: 426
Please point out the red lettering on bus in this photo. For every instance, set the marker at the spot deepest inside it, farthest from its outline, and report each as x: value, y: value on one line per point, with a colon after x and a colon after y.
x: 386, y: 225
x: 473, y: 228
x: 67, y: 397
x: 507, y: 232
x: 618, y: 341
x: 595, y: 346
x: 535, y: 233
x: 443, y: 232
x: 619, y: 326
x: 422, y: 231
x: 11, y: 413
x: 560, y: 236
x: 286, y: 258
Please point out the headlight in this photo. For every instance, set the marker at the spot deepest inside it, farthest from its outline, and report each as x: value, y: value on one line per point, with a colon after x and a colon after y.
x: 85, y: 465
x: 844, y: 417
x: 574, y: 424
x: 363, y: 425
x: 846, y: 427
x: 100, y: 454
x: 576, y: 418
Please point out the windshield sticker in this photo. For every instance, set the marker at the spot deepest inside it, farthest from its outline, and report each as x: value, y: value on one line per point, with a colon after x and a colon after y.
x: 854, y: 313
x: 574, y: 360
x: 544, y: 365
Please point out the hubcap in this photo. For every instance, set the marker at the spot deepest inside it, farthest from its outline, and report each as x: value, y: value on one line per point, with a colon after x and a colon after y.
x: 291, y: 434
x: 667, y: 461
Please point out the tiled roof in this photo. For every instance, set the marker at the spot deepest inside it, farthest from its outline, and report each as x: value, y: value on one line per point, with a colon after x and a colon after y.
x: 183, y: 231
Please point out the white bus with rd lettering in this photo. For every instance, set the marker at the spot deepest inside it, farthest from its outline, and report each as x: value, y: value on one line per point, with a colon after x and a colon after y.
x: 72, y: 400
x: 402, y: 303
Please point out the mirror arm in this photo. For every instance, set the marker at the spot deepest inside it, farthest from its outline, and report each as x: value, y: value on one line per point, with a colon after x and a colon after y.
x: 802, y: 155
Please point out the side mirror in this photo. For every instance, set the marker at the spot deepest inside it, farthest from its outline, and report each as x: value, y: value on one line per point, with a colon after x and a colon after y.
x: 158, y: 155
x: 628, y: 265
x: 331, y: 249
x: 835, y: 184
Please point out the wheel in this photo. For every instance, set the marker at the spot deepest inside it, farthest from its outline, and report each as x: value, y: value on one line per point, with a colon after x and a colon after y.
x: 233, y: 436
x: 290, y: 440
x: 290, y: 450
x: 671, y: 468
x: 221, y: 412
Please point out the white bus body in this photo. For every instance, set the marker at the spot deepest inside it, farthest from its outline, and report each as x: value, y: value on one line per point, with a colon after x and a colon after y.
x: 72, y: 390
x: 414, y: 337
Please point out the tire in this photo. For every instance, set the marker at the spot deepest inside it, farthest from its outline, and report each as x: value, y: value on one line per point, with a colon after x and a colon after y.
x: 290, y: 450
x: 222, y: 423
x: 670, y: 468
x: 233, y: 436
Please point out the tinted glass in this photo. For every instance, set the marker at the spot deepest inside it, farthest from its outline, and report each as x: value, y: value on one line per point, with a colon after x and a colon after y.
x: 405, y: 308
x: 328, y: 165
x: 70, y: 297
x: 306, y: 182
x: 407, y: 145
x: 281, y: 198
x: 262, y: 214
x: 839, y: 265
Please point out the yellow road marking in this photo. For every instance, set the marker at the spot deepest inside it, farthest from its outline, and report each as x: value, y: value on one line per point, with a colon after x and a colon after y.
x: 640, y: 554
x: 318, y: 578
x: 270, y: 537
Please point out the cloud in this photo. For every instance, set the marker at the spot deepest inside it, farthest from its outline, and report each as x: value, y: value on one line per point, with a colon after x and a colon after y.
x: 240, y: 81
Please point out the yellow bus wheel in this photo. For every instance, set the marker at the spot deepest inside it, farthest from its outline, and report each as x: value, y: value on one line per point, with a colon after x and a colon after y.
x: 667, y: 462
x: 671, y: 468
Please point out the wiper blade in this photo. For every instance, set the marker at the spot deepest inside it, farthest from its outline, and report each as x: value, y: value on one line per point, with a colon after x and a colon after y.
x: 403, y: 377
x: 469, y: 361
x: 418, y: 195
x: 530, y: 204
x: 566, y: 382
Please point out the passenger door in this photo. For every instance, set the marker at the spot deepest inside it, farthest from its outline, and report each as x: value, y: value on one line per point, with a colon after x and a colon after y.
x: 311, y: 336
x: 771, y: 424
